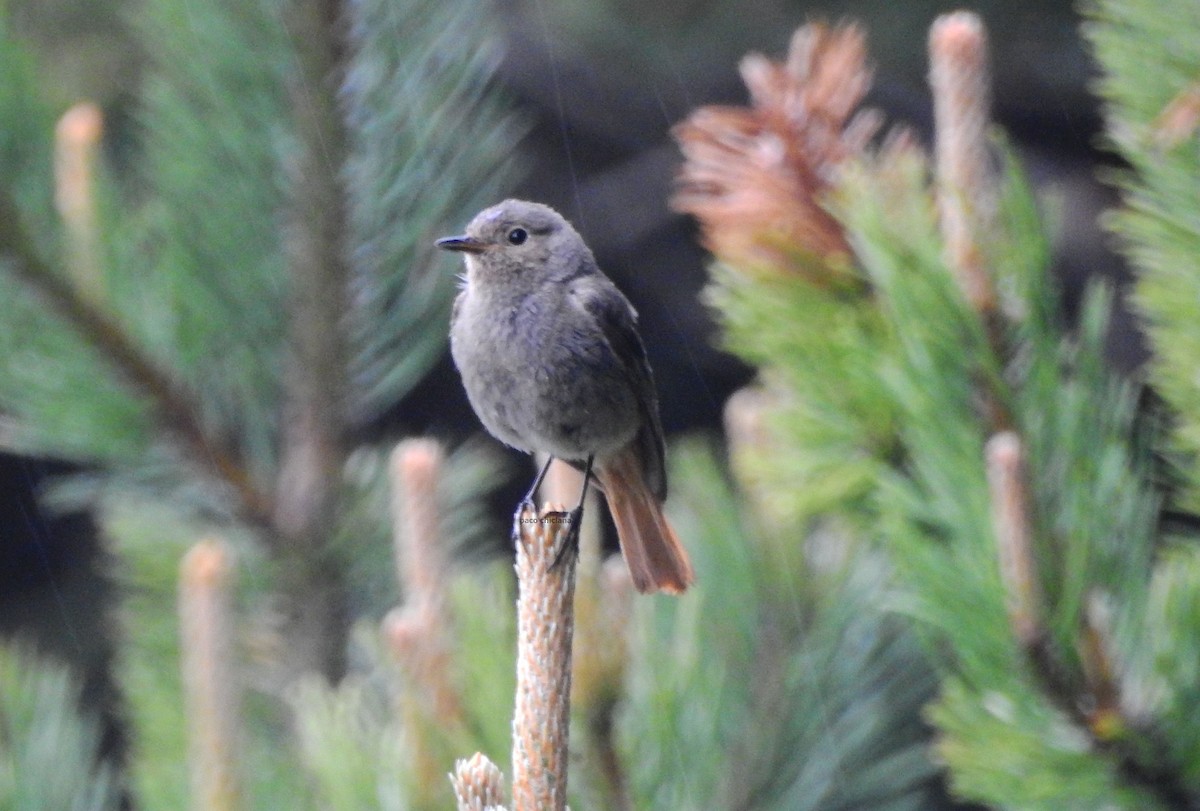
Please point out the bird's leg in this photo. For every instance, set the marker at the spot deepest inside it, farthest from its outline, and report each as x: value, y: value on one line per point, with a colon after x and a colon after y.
x: 527, y: 501
x: 570, y: 543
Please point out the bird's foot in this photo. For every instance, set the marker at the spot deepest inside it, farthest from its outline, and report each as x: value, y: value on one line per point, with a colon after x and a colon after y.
x: 570, y: 541
x: 525, y: 508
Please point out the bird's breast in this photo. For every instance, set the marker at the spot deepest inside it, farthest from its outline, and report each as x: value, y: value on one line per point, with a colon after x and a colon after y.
x: 542, y: 377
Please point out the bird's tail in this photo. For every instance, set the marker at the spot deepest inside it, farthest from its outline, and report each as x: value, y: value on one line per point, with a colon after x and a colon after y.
x: 656, y: 559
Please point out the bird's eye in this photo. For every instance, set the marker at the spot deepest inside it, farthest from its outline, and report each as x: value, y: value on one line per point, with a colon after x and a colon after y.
x: 517, y: 236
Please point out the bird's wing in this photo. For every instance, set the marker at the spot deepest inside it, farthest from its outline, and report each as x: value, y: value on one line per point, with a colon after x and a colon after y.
x: 618, y: 322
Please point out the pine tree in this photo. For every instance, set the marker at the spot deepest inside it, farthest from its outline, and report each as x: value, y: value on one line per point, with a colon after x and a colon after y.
x: 942, y: 570
x: 205, y: 334
x: 920, y: 389
x: 210, y: 332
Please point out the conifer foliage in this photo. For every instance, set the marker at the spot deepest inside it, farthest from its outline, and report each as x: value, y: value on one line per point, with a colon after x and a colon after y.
x: 942, y: 408
x: 210, y: 331
x: 205, y: 332
x: 940, y: 575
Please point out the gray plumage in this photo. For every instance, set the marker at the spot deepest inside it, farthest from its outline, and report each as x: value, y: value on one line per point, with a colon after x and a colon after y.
x: 552, y: 362
x: 547, y: 345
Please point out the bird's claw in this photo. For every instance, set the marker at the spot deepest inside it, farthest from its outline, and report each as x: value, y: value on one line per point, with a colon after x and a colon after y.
x: 570, y: 542
x: 525, y: 506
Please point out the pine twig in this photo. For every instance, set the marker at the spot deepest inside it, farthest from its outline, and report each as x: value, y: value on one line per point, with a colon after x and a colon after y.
x: 172, y: 403
x: 959, y: 78
x: 960, y: 81
x: 545, y: 625
x: 541, y: 717
x: 1012, y: 521
x: 315, y: 385
x: 210, y: 682
x: 1096, y: 709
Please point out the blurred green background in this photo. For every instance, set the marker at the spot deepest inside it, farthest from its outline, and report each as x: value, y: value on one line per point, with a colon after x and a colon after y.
x: 596, y: 87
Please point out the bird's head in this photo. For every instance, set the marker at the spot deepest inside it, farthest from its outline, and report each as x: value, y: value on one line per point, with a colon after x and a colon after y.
x: 528, y: 243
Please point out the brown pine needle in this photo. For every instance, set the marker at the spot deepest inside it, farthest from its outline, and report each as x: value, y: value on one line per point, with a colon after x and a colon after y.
x: 756, y: 177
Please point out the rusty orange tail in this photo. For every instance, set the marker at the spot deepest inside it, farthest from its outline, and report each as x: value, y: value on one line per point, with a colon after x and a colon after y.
x: 656, y: 559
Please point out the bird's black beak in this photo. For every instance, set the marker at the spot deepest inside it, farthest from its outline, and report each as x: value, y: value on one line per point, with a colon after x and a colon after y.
x: 463, y: 244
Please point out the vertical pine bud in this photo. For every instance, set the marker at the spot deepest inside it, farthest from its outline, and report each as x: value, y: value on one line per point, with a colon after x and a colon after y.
x: 478, y: 784
x: 416, y: 466
x: 1011, y: 521
x: 210, y: 683
x: 416, y: 636
x: 960, y: 82
x: 545, y: 624
x: 419, y: 632
x: 76, y: 150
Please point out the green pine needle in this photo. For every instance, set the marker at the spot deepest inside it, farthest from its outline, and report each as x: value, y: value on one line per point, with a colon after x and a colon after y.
x: 49, y: 751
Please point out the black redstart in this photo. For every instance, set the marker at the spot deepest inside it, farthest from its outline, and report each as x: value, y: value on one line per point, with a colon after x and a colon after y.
x: 552, y: 362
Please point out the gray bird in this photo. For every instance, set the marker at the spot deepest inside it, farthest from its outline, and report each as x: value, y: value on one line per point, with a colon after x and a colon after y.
x: 552, y: 362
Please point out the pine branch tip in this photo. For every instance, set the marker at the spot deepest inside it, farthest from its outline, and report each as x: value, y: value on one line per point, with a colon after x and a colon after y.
x: 1011, y: 521
x: 402, y: 630
x: 417, y: 460
x: 961, y: 85
x: 1004, y: 450
x: 211, y: 687
x: 416, y: 468
x: 478, y: 784
x: 1179, y: 119
x: 209, y: 563
x: 82, y: 124
x: 959, y: 36
x: 545, y: 628
x: 77, y: 136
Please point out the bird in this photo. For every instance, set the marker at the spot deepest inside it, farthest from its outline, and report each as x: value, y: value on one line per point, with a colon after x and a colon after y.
x: 552, y: 363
